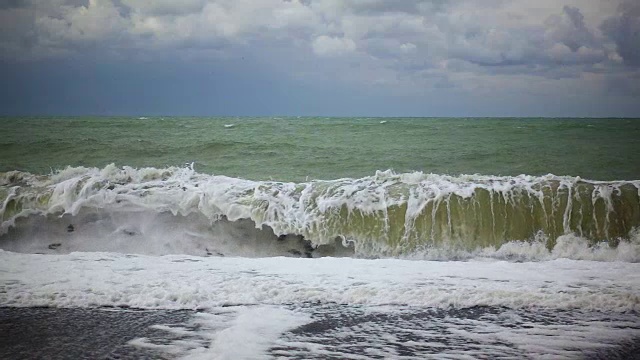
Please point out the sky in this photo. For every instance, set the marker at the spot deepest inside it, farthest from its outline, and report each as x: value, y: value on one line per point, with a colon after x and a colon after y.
x: 320, y: 57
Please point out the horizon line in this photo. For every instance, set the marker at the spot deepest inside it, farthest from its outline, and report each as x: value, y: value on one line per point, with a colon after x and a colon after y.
x: 138, y: 116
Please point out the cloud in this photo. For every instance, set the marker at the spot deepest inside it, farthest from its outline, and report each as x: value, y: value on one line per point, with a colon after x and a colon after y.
x: 569, y: 29
x: 330, y: 46
x: 562, y: 39
x: 413, y: 45
x: 563, y: 54
x: 164, y: 7
x: 482, y: 33
x: 99, y: 20
x: 407, y: 47
x: 624, y: 29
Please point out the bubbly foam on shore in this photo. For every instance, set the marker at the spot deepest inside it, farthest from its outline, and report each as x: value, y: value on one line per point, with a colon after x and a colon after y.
x: 185, y: 282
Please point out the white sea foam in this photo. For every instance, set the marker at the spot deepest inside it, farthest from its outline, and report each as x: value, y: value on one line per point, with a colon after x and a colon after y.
x: 256, y: 332
x: 229, y: 333
x: 183, y: 282
x: 384, y: 308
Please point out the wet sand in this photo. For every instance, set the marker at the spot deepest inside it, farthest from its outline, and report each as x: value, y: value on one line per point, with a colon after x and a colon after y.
x: 346, y: 331
x: 58, y: 333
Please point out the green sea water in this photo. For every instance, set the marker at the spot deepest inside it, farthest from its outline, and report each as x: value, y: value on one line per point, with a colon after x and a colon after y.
x: 296, y: 149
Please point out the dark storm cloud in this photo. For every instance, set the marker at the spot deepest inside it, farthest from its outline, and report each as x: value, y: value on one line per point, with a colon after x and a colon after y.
x: 570, y: 29
x: 624, y: 30
x: 13, y: 4
x: 9, y: 4
x: 564, y: 40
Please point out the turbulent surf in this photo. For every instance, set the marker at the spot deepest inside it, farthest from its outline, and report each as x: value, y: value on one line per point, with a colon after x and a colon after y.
x: 333, y: 258
x: 409, y: 215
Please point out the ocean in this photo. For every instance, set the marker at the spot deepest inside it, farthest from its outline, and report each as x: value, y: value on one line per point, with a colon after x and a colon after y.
x: 319, y: 238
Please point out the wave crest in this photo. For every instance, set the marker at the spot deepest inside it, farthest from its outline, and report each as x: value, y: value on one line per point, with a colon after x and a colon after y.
x: 387, y: 214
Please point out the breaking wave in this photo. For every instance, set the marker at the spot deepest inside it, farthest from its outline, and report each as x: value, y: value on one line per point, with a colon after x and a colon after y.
x: 409, y: 215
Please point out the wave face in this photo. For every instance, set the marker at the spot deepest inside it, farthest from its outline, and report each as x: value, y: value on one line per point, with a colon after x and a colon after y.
x: 177, y: 210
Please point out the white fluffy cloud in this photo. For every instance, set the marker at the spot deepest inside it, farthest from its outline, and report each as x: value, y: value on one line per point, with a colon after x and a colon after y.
x: 328, y: 46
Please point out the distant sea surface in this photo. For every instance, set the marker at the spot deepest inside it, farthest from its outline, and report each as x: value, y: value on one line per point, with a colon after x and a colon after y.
x: 299, y: 149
